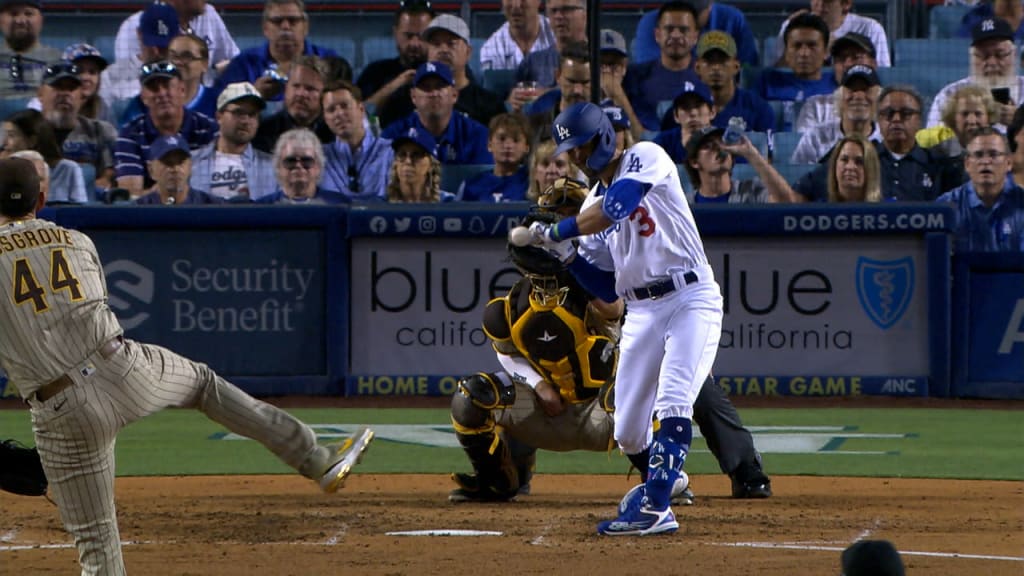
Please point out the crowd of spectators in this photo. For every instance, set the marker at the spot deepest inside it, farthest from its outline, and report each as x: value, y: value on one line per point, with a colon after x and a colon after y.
x: 184, y: 116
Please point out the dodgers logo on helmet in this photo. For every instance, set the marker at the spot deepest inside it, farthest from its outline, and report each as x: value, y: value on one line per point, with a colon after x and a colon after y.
x: 131, y: 287
x: 885, y: 288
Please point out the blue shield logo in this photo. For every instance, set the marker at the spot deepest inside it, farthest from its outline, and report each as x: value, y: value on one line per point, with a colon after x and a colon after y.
x: 885, y: 288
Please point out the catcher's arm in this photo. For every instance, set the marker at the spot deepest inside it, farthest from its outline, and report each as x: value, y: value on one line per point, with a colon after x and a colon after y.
x: 21, y: 472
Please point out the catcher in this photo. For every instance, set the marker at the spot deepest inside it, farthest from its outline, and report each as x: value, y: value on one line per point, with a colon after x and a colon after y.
x: 21, y: 472
x: 557, y: 344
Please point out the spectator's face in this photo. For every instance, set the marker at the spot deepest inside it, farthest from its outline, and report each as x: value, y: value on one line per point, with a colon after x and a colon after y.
x: 993, y: 59
x: 14, y: 139
x: 448, y: 48
x: 614, y: 64
x: 298, y: 172
x: 508, y: 147
x: 411, y: 49
x: 549, y: 169
x: 285, y: 27
x: 850, y: 168
x: 805, y: 51
x: 693, y: 114
x: 717, y: 70
x: 520, y: 13
x: 239, y: 121
x: 574, y: 82
x: 986, y: 161
x: 188, y: 57
x: 89, y: 74
x: 302, y: 94
x: 434, y: 98
x: 711, y: 160
x: 831, y: 11
x: 163, y: 96
x: 970, y: 115
x: 413, y: 163
x: 61, y: 102
x: 858, y: 98
x: 343, y: 114
x: 676, y: 34
x: 899, y: 119
x: 171, y: 173
x: 568, y: 19
x: 851, y: 56
x: 21, y: 25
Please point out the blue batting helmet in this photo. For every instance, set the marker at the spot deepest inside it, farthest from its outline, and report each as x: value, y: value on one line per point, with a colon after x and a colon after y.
x: 581, y: 123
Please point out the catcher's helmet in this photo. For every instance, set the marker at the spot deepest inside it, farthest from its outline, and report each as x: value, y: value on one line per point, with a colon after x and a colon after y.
x: 581, y: 123
x: 564, y: 193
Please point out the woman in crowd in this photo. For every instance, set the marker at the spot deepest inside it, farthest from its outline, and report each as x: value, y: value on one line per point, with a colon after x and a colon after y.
x: 544, y: 169
x: 854, y: 173
x: 299, y: 167
x: 90, y: 65
x: 28, y: 130
x: 969, y: 108
x: 416, y: 173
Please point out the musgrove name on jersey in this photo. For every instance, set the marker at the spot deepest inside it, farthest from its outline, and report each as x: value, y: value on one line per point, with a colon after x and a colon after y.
x: 32, y: 238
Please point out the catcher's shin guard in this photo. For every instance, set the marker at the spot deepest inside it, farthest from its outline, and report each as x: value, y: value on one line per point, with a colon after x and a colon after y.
x: 524, y: 458
x: 497, y: 477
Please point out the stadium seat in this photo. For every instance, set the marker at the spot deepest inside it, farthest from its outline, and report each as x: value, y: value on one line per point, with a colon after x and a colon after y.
x: 453, y: 175
x: 474, y: 59
x: 793, y: 172
x: 61, y: 42
x: 928, y: 79
x: 741, y: 172
x: 377, y: 48
x: 749, y: 76
x: 783, y: 144
x: 105, y: 44
x: 684, y: 178
x: 771, y: 45
x: 499, y: 81
x: 248, y: 41
x: 343, y: 45
x: 944, y: 21
x: 917, y: 51
x: 89, y: 176
x: 760, y: 141
x: 9, y: 106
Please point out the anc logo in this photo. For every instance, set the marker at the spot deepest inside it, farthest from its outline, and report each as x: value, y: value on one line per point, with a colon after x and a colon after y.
x: 885, y: 288
x: 131, y: 287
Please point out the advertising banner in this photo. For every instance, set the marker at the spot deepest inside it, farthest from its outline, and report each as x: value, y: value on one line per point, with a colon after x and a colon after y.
x: 996, y: 344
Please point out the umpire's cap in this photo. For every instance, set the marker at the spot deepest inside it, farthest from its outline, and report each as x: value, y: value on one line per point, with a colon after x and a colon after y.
x: 19, y: 187
x: 872, y: 558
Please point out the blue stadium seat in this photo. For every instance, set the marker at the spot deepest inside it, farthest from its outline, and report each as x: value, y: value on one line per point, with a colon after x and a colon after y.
x: 60, y: 42
x: 917, y: 51
x: 944, y: 21
x: 248, y: 40
x: 768, y: 57
x: 343, y: 45
x: 105, y: 44
x: 377, y: 48
x: 928, y: 79
x: 499, y: 81
x: 9, y: 106
x: 741, y: 172
x: 89, y: 176
x: 793, y: 172
x: 760, y: 141
x: 749, y: 76
x: 474, y: 59
x: 453, y: 175
x: 684, y: 178
x: 783, y: 144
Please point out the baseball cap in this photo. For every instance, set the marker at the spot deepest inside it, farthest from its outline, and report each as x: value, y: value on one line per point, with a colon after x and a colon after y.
x: 418, y: 137
x: 872, y: 558
x: 861, y: 71
x: 991, y: 29
x: 19, y: 186
x: 448, y: 23
x: 81, y: 51
x: 164, y: 145
x: 161, y: 69
x: 618, y: 118
x: 158, y: 24
x: 240, y: 91
x: 699, y: 137
x: 612, y: 41
x: 690, y: 89
x: 716, y: 40
x: 853, y: 39
x: 437, y: 69
x: 5, y: 4
x: 56, y: 72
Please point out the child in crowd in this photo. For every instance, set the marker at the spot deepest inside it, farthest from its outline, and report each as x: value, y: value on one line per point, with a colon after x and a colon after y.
x: 508, y: 182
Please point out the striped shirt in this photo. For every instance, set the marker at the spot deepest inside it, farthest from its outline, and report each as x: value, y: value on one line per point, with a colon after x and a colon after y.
x: 133, y: 141
x: 500, y: 51
x: 53, y: 302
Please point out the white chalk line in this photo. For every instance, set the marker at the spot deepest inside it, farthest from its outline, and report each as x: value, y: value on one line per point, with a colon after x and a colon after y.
x: 540, y: 539
x: 798, y: 546
x: 8, y: 536
x: 337, y: 536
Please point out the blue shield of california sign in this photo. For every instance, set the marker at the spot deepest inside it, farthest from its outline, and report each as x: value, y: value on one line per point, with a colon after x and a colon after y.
x: 885, y: 288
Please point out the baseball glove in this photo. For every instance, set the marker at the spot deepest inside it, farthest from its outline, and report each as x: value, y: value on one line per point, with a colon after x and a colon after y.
x: 21, y: 472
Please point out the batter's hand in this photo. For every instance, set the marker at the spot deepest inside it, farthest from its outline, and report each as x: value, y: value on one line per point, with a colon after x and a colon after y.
x: 550, y: 400
x: 563, y: 250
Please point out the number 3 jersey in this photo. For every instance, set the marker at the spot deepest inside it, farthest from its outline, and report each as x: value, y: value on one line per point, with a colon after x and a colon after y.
x: 659, y: 237
x: 54, y: 311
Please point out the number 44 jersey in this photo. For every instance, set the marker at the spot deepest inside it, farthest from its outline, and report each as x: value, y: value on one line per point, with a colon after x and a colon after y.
x: 53, y: 302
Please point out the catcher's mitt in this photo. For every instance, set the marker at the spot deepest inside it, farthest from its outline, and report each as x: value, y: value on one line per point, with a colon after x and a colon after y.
x: 21, y: 472
x: 565, y: 196
x: 532, y: 259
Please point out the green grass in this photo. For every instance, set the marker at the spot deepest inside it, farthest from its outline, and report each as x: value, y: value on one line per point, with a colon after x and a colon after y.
x: 969, y: 444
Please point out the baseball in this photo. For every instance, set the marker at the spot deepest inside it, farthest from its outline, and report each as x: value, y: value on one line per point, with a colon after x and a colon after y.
x: 520, y: 236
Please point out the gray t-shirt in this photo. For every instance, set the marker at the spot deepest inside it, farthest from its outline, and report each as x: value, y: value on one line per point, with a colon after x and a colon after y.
x: 21, y: 74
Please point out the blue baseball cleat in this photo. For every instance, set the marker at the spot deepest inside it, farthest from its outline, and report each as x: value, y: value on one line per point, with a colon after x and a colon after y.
x: 640, y: 521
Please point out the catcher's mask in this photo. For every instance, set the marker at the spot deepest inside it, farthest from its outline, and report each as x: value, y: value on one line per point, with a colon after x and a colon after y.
x: 564, y: 197
x: 540, y: 268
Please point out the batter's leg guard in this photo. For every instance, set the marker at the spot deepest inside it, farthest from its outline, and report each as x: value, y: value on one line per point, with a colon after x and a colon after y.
x: 668, y: 454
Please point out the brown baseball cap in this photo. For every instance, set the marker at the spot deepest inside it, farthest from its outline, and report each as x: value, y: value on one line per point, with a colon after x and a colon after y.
x: 19, y: 187
x: 716, y: 40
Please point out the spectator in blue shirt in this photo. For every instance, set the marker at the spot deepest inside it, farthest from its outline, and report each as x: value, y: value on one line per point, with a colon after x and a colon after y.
x: 356, y: 164
x: 415, y: 175
x: 285, y: 25
x: 717, y: 67
x: 572, y: 86
x: 170, y: 163
x: 649, y: 83
x: 229, y: 167
x: 299, y: 166
x: 1010, y: 10
x: 710, y: 16
x: 569, y: 24
x: 989, y: 208
x: 806, y: 40
x: 693, y: 109
x: 163, y: 93
x: 460, y: 139
x: 510, y: 179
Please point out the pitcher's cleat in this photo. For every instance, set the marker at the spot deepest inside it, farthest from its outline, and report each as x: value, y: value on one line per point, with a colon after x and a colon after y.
x: 348, y: 454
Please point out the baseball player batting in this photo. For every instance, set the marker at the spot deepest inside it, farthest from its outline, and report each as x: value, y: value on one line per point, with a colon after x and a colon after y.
x: 641, y: 244
x: 63, y: 348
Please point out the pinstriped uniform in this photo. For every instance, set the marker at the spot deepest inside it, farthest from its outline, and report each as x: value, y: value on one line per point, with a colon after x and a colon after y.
x: 56, y: 322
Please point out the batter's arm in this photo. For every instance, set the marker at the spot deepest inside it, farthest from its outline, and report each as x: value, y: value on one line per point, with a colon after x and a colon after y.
x: 620, y: 200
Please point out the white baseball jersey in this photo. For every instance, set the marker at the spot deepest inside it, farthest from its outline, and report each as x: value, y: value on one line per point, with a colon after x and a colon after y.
x: 660, y: 237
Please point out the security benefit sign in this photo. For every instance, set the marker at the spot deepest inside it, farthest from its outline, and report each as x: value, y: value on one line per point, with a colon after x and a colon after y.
x: 248, y: 303
x: 822, y: 316
x: 417, y: 308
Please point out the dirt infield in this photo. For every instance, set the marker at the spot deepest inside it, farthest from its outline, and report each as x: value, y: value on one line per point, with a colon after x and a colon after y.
x: 282, y: 525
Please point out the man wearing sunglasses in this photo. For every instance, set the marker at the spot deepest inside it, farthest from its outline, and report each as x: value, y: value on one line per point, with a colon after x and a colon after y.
x: 381, y: 78
x: 267, y: 67
x: 158, y: 25
x: 163, y: 93
x: 23, y: 59
x: 230, y: 167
